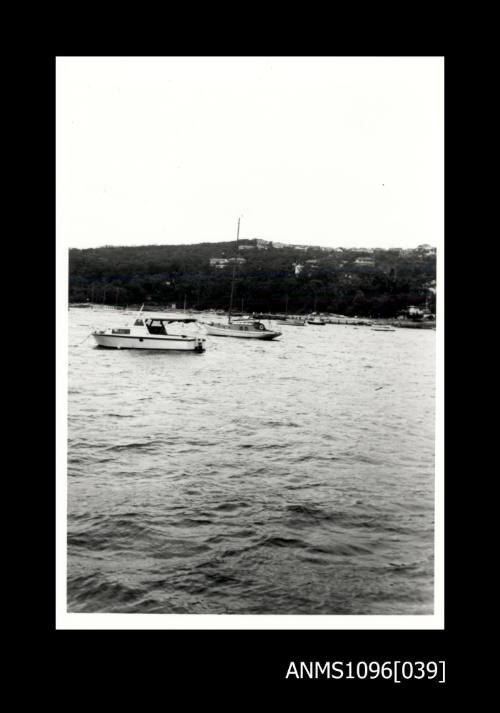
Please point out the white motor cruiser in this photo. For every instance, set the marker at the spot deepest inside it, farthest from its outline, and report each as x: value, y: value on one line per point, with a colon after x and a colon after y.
x: 149, y: 332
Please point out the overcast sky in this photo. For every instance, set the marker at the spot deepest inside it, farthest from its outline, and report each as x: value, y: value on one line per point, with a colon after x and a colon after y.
x: 340, y: 152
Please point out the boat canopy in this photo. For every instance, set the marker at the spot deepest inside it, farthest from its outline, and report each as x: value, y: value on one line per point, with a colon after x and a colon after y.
x: 169, y: 319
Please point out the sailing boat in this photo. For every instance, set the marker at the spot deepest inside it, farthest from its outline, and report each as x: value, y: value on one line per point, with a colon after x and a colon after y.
x: 241, y: 328
x: 314, y: 318
x: 291, y: 321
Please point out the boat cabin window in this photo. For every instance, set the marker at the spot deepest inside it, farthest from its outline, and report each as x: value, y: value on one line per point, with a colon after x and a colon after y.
x: 120, y: 331
x: 155, y: 326
x: 138, y: 323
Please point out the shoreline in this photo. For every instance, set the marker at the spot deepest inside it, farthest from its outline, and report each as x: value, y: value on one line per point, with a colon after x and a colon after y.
x: 354, y: 321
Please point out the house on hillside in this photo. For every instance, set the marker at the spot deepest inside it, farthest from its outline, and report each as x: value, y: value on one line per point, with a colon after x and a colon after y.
x: 220, y: 262
x: 365, y: 261
x: 415, y: 311
x: 426, y: 249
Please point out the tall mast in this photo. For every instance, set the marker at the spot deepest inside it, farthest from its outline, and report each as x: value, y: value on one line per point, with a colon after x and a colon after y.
x: 234, y: 273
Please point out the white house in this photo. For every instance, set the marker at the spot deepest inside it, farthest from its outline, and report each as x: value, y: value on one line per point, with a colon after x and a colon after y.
x: 220, y: 262
x: 415, y: 311
x: 365, y: 260
x: 427, y: 249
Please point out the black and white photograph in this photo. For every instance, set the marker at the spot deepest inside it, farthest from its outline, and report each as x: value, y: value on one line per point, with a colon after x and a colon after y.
x: 250, y: 342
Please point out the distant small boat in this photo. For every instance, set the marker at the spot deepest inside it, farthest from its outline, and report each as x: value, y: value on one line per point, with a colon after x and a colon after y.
x: 291, y: 322
x: 314, y: 317
x: 148, y: 332
x: 383, y: 328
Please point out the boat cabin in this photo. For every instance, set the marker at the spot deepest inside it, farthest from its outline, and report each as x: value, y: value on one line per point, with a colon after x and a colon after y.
x: 247, y: 325
x: 151, y: 325
x: 156, y: 325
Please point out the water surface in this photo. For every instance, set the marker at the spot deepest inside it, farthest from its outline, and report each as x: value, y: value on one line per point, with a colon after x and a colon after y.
x: 285, y: 477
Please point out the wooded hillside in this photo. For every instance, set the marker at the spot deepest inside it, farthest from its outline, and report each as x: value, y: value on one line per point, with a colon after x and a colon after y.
x: 389, y: 280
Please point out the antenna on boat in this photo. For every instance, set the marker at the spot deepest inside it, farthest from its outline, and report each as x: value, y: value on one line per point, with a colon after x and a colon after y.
x: 234, y: 273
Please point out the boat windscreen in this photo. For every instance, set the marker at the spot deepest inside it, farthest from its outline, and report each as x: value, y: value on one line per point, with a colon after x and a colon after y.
x: 155, y: 326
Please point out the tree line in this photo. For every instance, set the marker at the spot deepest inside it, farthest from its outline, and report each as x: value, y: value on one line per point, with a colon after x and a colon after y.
x: 268, y: 281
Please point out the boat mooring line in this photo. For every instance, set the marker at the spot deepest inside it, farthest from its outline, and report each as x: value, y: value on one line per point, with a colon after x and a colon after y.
x: 80, y: 343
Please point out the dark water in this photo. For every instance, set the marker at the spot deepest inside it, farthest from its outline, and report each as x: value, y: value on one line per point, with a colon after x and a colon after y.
x: 287, y: 477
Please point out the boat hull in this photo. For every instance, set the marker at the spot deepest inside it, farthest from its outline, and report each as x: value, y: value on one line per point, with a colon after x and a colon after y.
x: 215, y: 331
x: 166, y: 343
